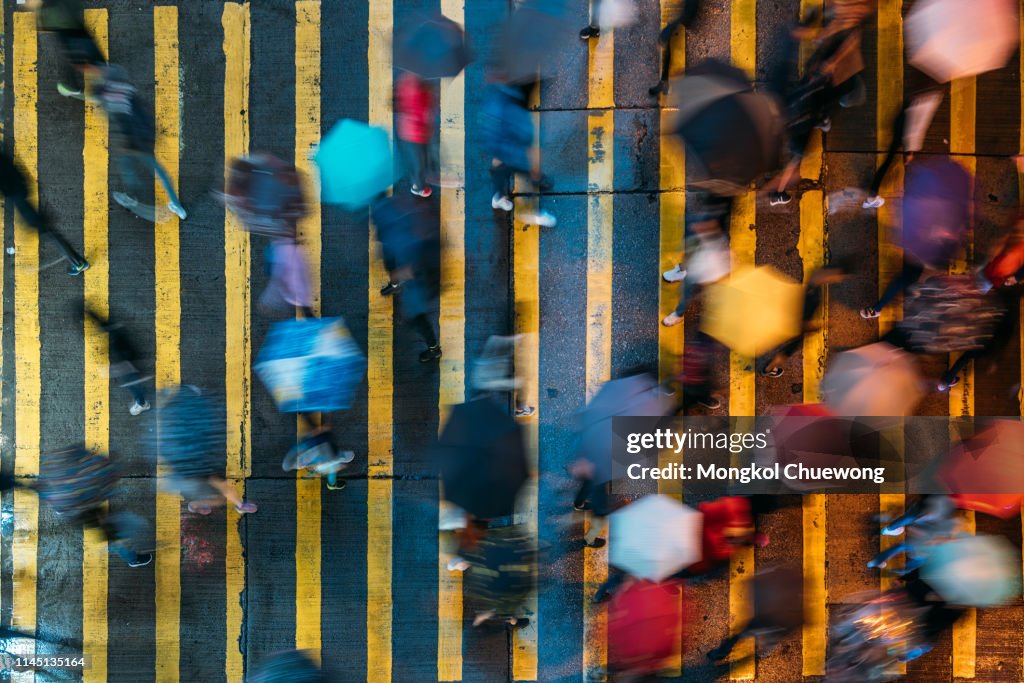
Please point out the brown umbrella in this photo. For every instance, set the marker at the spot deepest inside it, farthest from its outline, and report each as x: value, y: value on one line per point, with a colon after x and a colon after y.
x: 874, y: 380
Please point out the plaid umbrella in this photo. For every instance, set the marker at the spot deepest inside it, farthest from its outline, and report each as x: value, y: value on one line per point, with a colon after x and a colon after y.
x: 76, y: 480
x: 311, y: 365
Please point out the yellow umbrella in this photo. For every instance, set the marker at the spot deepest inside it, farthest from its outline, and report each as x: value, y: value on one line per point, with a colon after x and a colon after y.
x: 753, y: 310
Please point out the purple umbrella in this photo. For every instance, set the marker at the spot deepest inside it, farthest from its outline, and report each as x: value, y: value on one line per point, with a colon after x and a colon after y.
x: 936, y: 210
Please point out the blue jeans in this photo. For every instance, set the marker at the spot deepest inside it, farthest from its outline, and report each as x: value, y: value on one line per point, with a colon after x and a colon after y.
x: 129, y: 163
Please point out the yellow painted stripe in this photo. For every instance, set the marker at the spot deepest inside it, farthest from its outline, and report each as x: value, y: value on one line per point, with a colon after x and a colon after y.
x: 379, y: 378
x: 237, y: 324
x: 743, y: 49
x: 963, y: 106
x: 600, y: 212
x: 26, y: 341
x: 307, y: 490
x: 97, y: 384
x: 452, y: 324
x: 601, y: 70
x: 965, y: 631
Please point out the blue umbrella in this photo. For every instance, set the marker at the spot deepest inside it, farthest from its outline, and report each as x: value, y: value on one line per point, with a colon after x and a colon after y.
x: 356, y: 164
x: 936, y: 210
x: 311, y: 365
x: 979, y: 571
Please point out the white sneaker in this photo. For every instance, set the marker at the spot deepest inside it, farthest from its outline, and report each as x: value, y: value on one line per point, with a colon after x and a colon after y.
x: 178, y: 210
x: 139, y: 408
x: 875, y: 202
x: 500, y: 202
x: 457, y: 564
x: 677, y: 274
x: 825, y: 126
x: 672, y: 319
x: 541, y: 218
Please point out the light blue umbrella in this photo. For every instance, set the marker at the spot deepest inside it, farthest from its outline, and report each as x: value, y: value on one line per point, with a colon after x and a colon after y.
x: 356, y: 164
x: 311, y: 365
x: 977, y: 571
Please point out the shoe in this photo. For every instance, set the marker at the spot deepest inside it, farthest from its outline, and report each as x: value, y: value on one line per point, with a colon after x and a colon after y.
x: 774, y: 372
x: 779, y: 198
x: 139, y: 408
x: 545, y: 184
x: 431, y: 354
x: 525, y: 411
x: 677, y: 274
x: 457, y: 564
x: 68, y: 92
x: 390, y: 288
x: 672, y: 319
x: 582, y: 507
x: 825, y: 126
x: 424, y: 191
x: 78, y: 268
x: 662, y: 87
x: 141, y: 560
x: 178, y: 210
x: 598, y: 543
x: 246, y: 508
x: 125, y: 200
x: 541, y: 218
x: 334, y: 484
x: 199, y: 509
x: 897, y: 531
x: 590, y: 32
x: 875, y: 202
x: 521, y: 622
x: 946, y: 386
x: 713, y: 403
x: 869, y: 313
x: 501, y: 202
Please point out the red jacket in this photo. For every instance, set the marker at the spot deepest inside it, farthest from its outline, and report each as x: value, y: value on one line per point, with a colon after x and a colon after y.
x: 415, y: 108
x: 721, y: 515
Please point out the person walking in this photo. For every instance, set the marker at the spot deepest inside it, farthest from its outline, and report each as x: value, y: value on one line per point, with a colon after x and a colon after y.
x: 132, y: 144
x: 494, y: 371
x: 908, y: 131
x: 289, y: 287
x: 928, y: 521
x: 14, y: 186
x: 122, y: 531
x: 415, y: 110
x: 911, y: 272
x: 66, y: 20
x: 609, y: 14
x: 508, y: 134
x: 683, y: 21
x: 123, y: 356
x: 319, y: 453
x: 707, y: 261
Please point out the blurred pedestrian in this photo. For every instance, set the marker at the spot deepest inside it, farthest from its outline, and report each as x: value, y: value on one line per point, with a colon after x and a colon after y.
x: 66, y: 20
x: 289, y: 287
x: 910, y: 273
x: 814, y: 295
x: 609, y: 14
x: 494, y: 371
x: 318, y: 452
x: 266, y: 193
x: 14, y: 186
x: 1005, y: 265
x: 707, y: 260
x: 683, y: 21
x: 929, y: 520
x: 728, y: 526
x: 592, y: 496
x: 508, y: 133
x: 415, y: 110
x: 908, y: 131
x: 123, y: 356
x: 132, y: 143
x: 694, y: 378
x: 123, y: 532
x: 778, y: 610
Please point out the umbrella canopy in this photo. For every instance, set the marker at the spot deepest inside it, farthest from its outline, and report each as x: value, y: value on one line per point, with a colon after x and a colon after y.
x: 266, y: 194
x: 356, y: 164
x: 528, y: 44
x: 733, y: 134
x: 645, y: 624
x: 636, y: 396
x: 503, y: 569
x: 948, y: 313
x: 936, y: 210
x: 950, y: 39
x: 873, y: 380
x: 976, y: 571
x: 654, y: 537
x: 753, y: 310
x: 986, y: 473
x: 813, y: 436
x: 311, y: 365
x: 76, y: 480
x: 434, y: 48
x: 189, y: 434
x: 288, y: 667
x: 482, y: 456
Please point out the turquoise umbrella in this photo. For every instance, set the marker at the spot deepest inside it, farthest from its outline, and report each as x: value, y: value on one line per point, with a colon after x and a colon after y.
x: 356, y: 164
x: 978, y: 571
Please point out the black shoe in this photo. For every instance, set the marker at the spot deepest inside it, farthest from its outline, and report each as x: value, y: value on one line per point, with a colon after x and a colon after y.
x: 658, y: 89
x: 590, y: 32
x: 431, y: 354
x: 390, y: 288
x: 585, y: 505
x: 545, y: 184
x: 141, y: 560
x: 78, y: 268
x: 521, y: 622
x: 598, y: 543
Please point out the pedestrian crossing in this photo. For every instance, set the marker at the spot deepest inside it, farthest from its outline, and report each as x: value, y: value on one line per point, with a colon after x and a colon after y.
x: 358, y: 577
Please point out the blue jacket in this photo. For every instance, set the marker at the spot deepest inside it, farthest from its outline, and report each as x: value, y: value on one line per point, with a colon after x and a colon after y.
x: 507, y: 126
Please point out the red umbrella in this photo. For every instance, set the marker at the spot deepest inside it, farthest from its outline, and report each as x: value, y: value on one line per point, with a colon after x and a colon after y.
x: 986, y: 472
x: 645, y: 626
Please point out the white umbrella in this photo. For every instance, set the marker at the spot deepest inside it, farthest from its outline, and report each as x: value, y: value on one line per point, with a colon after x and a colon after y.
x: 950, y: 39
x: 875, y: 380
x: 655, y: 537
x: 979, y: 571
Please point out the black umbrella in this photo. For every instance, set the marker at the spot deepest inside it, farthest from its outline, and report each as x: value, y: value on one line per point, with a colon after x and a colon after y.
x: 483, y: 459
x: 734, y: 134
x: 528, y: 42
x: 291, y: 666
x: 434, y: 48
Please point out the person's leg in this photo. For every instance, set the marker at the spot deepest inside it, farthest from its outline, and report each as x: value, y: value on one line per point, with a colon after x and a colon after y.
x: 580, y: 501
x: 597, y: 525
x: 128, y: 163
x: 230, y: 494
x: 687, y: 293
x: 882, y: 558
x: 501, y: 174
x: 421, y: 323
x: 948, y: 379
x: 133, y: 383
x: 35, y: 219
x: 592, y: 30
x: 615, y: 579
x: 890, y: 154
x: 910, y: 274
x: 165, y: 179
